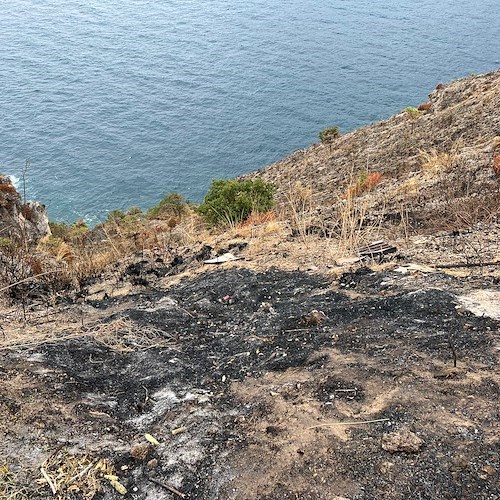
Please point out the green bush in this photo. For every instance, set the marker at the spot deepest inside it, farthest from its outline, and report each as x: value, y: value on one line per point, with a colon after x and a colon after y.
x: 116, y: 216
x: 328, y: 135
x: 69, y: 233
x: 232, y: 201
x: 173, y: 205
x: 413, y: 112
x: 119, y: 217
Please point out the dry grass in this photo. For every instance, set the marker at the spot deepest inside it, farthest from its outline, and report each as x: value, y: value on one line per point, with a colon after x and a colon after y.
x: 458, y: 213
x: 120, y: 335
x: 298, y: 207
x: 354, y: 231
x: 10, y: 489
x: 409, y: 188
x: 435, y: 163
x: 77, y: 253
x: 64, y: 475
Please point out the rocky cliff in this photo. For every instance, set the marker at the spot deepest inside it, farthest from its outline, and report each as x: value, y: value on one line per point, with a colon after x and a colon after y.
x: 27, y: 221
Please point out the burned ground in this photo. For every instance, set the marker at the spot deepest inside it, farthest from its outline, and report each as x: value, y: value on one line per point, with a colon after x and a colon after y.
x: 247, y: 400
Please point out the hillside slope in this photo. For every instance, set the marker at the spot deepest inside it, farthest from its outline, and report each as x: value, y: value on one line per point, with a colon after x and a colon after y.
x: 435, y: 164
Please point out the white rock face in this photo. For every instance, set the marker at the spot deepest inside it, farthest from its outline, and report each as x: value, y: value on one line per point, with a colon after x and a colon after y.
x: 17, y: 219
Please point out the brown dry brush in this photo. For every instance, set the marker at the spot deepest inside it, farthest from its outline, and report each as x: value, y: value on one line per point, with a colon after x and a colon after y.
x: 75, y: 254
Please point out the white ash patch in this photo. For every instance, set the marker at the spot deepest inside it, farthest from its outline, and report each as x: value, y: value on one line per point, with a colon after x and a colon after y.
x: 482, y: 303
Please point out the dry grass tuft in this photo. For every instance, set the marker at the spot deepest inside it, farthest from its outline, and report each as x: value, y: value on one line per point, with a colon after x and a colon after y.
x: 353, y: 229
x: 66, y: 475
x: 273, y: 227
x: 298, y: 207
x: 409, y: 187
x: 435, y: 163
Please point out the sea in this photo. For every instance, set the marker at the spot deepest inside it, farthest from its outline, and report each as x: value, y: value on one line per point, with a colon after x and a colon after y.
x: 112, y: 104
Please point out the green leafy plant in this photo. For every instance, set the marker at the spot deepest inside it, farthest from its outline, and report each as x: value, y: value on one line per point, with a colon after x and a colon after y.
x: 69, y: 233
x: 173, y: 205
x: 413, y: 112
x: 130, y: 218
x: 328, y: 135
x: 116, y: 216
x: 232, y: 201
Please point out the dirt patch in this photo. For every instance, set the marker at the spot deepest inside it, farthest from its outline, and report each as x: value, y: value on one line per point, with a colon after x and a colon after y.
x: 247, y: 401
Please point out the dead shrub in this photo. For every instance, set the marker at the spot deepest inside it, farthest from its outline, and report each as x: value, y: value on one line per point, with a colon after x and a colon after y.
x: 365, y: 183
x: 435, y: 162
x: 27, y: 212
x: 256, y: 218
x: 460, y: 213
x: 9, y: 188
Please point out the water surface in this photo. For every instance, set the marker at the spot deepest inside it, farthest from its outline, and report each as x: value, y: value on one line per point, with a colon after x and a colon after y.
x: 118, y: 103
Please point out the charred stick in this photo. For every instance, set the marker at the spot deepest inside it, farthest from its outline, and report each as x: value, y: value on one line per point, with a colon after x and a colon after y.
x: 168, y: 487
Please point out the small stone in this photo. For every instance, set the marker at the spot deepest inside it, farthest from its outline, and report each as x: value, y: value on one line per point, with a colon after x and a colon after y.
x: 402, y: 441
x: 385, y: 467
x: 314, y: 318
x: 152, y: 464
x: 139, y: 451
x: 489, y: 470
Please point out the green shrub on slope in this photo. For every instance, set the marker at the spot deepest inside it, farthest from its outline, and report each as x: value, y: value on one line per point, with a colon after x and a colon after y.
x: 232, y: 201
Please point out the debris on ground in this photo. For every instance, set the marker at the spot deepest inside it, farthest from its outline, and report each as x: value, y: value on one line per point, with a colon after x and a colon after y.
x: 221, y: 259
x: 376, y: 249
x: 402, y: 441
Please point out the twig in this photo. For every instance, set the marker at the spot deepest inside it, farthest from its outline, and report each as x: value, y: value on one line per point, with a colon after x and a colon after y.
x: 186, y: 311
x: 30, y: 278
x: 348, y: 423
x: 47, y: 478
x: 468, y: 264
x: 168, y: 487
x: 453, y: 350
x: 84, y: 471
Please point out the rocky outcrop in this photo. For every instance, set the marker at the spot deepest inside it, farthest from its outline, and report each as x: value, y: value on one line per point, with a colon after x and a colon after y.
x: 21, y: 220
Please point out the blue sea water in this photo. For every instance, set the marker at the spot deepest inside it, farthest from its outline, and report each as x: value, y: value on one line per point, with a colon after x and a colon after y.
x: 117, y: 103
